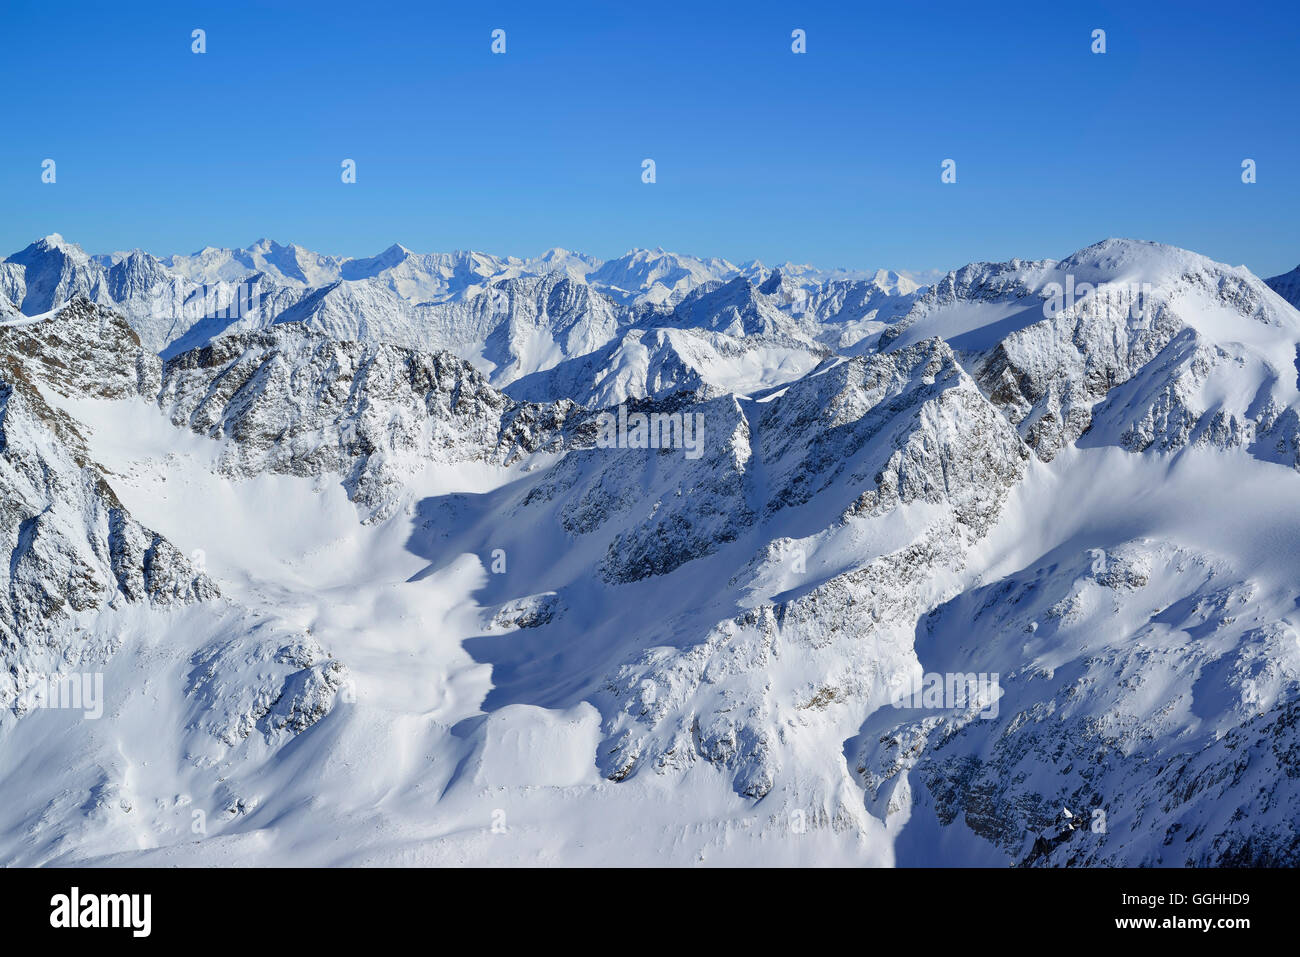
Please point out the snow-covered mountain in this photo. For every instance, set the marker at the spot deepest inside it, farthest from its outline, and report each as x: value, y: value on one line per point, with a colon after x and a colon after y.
x: 513, y: 328
x: 289, y: 265
x: 512, y: 318
x: 1287, y: 286
x: 448, y: 559
x: 49, y: 273
x: 656, y: 276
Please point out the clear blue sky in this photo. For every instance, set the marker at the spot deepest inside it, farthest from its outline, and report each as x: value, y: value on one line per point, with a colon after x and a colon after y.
x: 831, y: 157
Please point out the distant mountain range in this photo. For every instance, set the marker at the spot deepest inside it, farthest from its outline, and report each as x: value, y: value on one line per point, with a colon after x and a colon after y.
x: 512, y: 318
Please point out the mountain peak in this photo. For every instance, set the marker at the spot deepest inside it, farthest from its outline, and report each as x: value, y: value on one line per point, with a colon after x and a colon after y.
x: 47, y: 245
x: 1120, y: 258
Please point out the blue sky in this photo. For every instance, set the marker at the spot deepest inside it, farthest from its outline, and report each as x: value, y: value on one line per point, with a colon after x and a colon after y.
x: 831, y: 157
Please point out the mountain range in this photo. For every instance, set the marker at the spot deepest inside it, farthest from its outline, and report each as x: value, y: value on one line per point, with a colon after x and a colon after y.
x: 365, y: 582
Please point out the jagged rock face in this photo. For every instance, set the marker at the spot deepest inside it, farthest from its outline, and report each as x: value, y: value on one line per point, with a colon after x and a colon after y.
x: 861, y: 439
x: 664, y: 362
x: 84, y: 349
x: 851, y: 310
x: 272, y: 684
x: 1158, y: 708
x: 977, y: 282
x: 1164, y: 407
x: 637, y: 366
x: 1226, y: 379
x: 73, y: 547
x: 911, y: 428
x: 76, y: 552
x: 512, y: 328
x: 300, y: 403
x: 162, y: 304
x: 285, y: 264
x: 1047, y: 377
x: 913, y: 412
x: 1226, y: 387
x: 529, y: 324
x: 679, y: 507
x: 425, y: 278
x: 736, y: 308
x: 135, y: 276
x: 654, y: 276
x: 49, y: 273
x: 1134, y: 365
x: 531, y: 611
x: 721, y: 338
x: 172, y: 313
